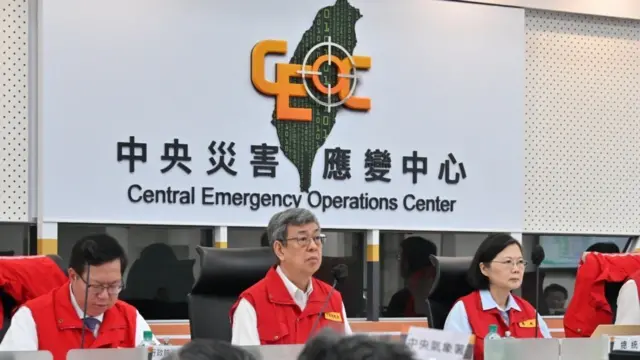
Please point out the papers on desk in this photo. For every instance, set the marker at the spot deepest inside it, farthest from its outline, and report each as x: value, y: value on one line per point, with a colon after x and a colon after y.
x: 157, y: 352
x: 626, y: 343
x: 428, y: 344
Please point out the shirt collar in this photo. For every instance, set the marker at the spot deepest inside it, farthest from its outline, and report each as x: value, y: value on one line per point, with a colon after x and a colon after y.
x: 291, y: 288
x: 488, y: 303
x: 79, y: 311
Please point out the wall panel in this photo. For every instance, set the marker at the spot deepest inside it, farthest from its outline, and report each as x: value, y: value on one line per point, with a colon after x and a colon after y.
x: 582, y: 124
x: 14, y: 127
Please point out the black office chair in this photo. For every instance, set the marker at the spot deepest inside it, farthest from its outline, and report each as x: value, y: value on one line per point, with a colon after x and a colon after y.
x: 450, y: 284
x: 224, y: 275
x: 58, y: 260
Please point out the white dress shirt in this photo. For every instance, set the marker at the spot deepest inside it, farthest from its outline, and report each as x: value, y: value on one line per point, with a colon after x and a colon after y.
x: 628, y: 305
x: 23, y: 336
x: 244, y: 331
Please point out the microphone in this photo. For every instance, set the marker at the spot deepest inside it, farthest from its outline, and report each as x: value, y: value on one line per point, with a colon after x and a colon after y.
x: 537, y: 257
x: 84, y: 308
x: 339, y: 272
x: 88, y: 252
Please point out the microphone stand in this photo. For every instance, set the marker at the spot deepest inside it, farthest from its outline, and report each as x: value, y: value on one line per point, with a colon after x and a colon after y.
x: 537, y: 258
x: 84, y: 310
x: 537, y: 298
x: 324, y: 307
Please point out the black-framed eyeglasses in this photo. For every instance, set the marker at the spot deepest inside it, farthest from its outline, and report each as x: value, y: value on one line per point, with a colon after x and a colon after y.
x: 304, y: 240
x: 113, y: 289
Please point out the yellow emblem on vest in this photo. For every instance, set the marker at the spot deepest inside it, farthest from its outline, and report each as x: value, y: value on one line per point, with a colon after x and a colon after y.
x: 333, y: 316
x: 531, y: 323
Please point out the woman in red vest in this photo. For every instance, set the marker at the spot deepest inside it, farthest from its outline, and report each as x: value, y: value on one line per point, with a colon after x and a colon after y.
x: 496, y: 270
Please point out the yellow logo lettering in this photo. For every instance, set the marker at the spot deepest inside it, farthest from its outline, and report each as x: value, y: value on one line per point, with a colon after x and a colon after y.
x: 333, y: 316
x: 284, y: 90
x: 531, y: 323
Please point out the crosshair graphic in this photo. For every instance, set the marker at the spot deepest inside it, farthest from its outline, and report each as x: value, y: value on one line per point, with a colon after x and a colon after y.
x: 344, y: 77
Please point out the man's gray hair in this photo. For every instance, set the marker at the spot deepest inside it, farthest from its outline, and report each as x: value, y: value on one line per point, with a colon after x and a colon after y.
x: 279, y: 223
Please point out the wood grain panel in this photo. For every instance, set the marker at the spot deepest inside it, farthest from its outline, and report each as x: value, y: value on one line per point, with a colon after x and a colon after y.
x: 178, y: 332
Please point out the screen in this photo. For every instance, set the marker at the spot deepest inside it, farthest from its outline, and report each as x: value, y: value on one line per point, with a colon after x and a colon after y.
x: 565, y: 251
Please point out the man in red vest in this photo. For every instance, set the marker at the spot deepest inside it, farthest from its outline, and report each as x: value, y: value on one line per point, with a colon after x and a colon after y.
x: 85, y: 311
x: 285, y: 306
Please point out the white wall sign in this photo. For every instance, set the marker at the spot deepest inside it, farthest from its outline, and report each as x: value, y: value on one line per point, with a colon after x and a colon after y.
x: 218, y: 113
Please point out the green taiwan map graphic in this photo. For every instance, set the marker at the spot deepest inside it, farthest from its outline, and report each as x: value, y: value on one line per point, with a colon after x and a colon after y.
x: 301, y: 140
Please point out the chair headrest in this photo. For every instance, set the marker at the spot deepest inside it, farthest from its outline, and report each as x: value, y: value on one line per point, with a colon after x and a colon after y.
x: 451, y: 281
x: 228, y: 272
x: 58, y: 260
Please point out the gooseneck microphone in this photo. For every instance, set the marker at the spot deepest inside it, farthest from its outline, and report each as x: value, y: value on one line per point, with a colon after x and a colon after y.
x: 537, y: 257
x: 89, y: 251
x: 84, y: 308
x: 339, y: 272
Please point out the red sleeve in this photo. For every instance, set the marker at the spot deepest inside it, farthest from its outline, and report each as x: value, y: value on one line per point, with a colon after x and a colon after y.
x: 616, y: 267
x: 605, y: 268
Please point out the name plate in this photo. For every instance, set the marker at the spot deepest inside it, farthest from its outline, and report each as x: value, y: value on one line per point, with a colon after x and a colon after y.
x: 428, y: 344
x: 157, y: 352
x: 626, y: 343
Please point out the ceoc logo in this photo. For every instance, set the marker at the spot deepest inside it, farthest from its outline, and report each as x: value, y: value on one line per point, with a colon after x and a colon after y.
x: 313, y: 78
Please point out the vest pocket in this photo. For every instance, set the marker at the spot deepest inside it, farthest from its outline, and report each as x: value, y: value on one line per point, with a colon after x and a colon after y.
x: 272, y: 333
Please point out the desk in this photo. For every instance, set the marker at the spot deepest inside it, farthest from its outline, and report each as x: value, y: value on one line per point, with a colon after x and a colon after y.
x: 25, y: 355
x: 548, y: 349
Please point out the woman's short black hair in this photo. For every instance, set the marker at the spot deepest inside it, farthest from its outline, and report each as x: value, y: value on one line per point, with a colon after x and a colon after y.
x: 487, y: 251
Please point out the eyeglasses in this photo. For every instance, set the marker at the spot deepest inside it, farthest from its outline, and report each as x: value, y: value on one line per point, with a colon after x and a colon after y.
x: 304, y: 241
x: 113, y: 289
x: 512, y: 263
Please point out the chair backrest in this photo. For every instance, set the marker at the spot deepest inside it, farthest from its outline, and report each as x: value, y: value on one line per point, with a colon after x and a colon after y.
x: 611, y: 292
x: 8, y: 305
x: 58, y: 260
x: 449, y: 285
x: 224, y: 275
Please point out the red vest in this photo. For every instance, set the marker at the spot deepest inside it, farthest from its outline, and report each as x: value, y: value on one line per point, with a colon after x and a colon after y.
x: 27, y: 277
x: 588, y: 307
x: 60, y: 328
x: 522, y: 323
x: 280, y: 320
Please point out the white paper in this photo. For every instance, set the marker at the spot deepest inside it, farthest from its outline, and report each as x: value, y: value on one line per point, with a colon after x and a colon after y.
x: 432, y: 344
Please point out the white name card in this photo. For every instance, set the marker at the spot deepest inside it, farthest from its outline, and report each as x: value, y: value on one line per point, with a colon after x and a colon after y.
x: 626, y: 343
x: 160, y: 351
x: 432, y: 344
